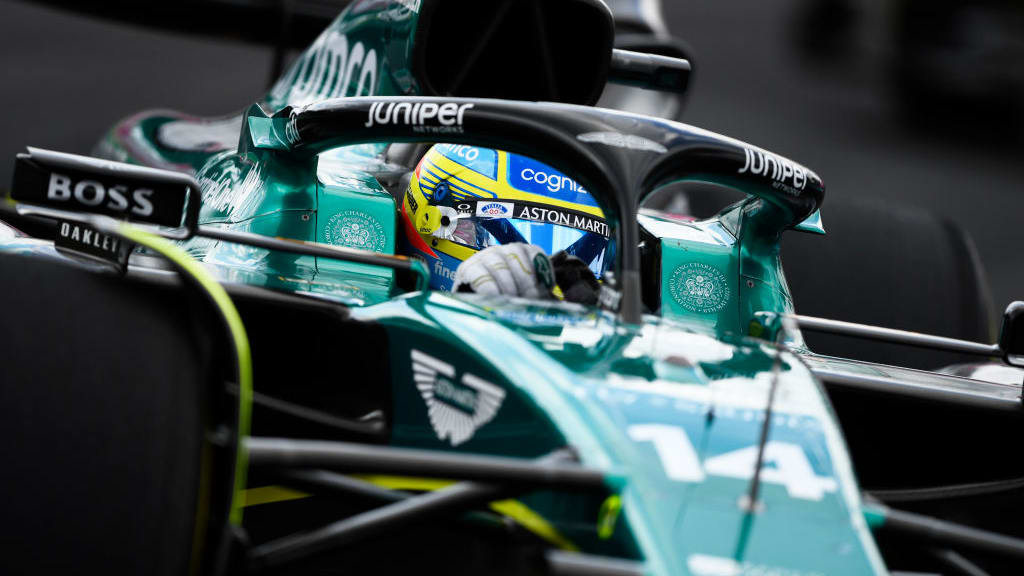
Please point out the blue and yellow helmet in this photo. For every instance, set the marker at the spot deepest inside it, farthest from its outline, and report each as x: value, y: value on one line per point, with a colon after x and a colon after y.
x: 462, y: 199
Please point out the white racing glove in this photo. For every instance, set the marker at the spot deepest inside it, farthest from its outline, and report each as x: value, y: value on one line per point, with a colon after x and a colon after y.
x: 510, y: 270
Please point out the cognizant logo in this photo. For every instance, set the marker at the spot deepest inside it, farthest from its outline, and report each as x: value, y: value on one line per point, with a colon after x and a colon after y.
x: 553, y: 182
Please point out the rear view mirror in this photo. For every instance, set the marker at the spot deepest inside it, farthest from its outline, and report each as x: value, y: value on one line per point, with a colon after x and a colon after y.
x: 80, y: 192
x: 1011, y: 336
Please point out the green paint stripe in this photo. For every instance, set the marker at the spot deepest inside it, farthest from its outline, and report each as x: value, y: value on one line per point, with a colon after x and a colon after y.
x: 223, y: 302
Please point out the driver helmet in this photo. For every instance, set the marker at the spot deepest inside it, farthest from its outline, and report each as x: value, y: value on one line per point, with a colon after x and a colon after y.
x: 462, y: 199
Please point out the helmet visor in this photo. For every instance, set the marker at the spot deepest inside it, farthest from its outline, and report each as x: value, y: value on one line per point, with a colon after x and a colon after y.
x: 480, y: 232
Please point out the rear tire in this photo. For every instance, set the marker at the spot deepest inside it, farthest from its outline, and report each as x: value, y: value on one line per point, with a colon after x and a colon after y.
x: 111, y: 392
x: 889, y: 266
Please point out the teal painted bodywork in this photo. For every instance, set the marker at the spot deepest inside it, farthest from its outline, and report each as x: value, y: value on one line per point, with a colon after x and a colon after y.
x: 671, y: 409
x: 631, y: 400
x: 732, y: 257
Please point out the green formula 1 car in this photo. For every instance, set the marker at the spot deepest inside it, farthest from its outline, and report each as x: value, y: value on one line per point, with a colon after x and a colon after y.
x: 221, y: 362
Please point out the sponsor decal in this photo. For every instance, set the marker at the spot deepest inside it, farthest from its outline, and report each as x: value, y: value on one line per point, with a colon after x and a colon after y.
x: 480, y: 160
x: 577, y: 220
x: 92, y: 194
x: 444, y: 271
x: 428, y: 220
x: 82, y: 239
x: 100, y: 187
x: 229, y: 185
x: 699, y: 287
x: 456, y: 407
x: 291, y: 132
x: 618, y: 140
x: 416, y: 241
x: 410, y: 198
x: 328, y: 69
x: 535, y: 177
x: 553, y: 182
x: 442, y: 268
x: 791, y: 176
x: 467, y: 153
x: 423, y: 117
x: 533, y: 318
x: 494, y: 209
x: 355, y: 229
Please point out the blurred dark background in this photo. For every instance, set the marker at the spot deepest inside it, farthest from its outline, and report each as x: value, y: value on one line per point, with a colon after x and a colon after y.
x: 917, y: 103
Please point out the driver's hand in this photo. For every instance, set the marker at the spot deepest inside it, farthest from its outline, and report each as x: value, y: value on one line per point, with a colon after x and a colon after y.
x: 509, y: 269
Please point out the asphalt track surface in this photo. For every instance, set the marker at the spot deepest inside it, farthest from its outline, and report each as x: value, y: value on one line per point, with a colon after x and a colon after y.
x: 66, y: 78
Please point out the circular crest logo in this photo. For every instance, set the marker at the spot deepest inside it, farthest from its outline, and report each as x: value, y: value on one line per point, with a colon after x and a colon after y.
x: 355, y: 229
x: 699, y: 287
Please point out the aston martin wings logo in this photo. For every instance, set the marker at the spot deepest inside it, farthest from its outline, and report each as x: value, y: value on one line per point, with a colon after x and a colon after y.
x: 456, y: 411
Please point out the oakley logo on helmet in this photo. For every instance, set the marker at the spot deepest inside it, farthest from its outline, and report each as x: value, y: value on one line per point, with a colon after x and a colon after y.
x: 778, y: 169
x: 446, y: 118
x: 92, y: 194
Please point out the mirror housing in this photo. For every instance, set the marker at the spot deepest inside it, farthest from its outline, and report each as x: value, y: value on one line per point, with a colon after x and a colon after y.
x: 79, y: 188
x: 812, y: 224
x: 1011, y: 335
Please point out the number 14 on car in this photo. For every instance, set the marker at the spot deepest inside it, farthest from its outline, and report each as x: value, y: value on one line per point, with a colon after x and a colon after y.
x: 784, y: 463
